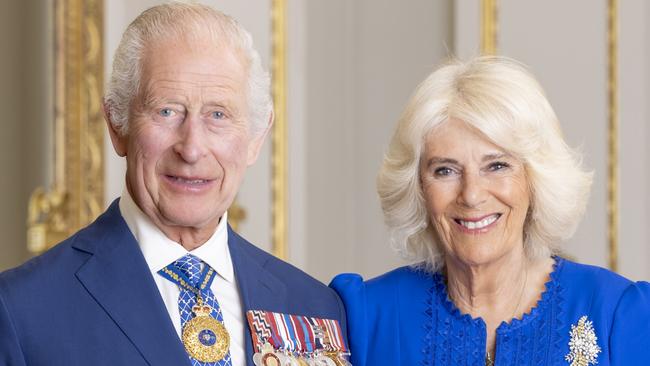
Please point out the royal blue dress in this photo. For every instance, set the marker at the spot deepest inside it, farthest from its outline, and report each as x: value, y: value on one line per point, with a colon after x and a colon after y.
x: 405, y: 317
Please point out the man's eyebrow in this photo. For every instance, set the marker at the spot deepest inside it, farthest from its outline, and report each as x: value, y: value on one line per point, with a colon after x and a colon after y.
x: 149, y: 99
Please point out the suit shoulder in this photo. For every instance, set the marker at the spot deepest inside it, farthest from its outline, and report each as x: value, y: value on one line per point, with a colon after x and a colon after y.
x: 293, y: 277
x: 48, y: 271
x: 63, y: 258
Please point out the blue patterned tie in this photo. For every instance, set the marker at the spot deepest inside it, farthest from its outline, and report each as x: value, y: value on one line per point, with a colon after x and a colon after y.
x: 191, y: 267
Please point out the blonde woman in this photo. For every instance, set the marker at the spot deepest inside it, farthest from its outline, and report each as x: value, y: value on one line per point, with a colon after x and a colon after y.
x: 479, y: 189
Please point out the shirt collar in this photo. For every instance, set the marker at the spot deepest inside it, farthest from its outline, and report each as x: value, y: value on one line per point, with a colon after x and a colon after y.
x: 159, y: 251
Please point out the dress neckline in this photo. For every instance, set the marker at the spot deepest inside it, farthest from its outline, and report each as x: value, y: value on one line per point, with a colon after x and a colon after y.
x: 540, y: 306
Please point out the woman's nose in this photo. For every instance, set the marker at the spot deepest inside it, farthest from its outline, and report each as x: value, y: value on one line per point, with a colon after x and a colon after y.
x: 473, y: 191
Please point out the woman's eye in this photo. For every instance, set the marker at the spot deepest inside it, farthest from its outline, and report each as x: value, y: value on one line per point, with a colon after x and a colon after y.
x: 166, y: 112
x: 443, y: 171
x: 218, y: 115
x: 498, y: 165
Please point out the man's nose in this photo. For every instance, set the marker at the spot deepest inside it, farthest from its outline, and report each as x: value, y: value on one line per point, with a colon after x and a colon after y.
x: 474, y: 190
x: 191, y: 145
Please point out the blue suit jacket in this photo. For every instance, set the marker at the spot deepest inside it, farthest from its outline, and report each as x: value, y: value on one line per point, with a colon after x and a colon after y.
x: 92, y: 300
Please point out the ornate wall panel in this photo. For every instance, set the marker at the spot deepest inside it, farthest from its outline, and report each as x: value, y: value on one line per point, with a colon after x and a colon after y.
x: 612, y: 135
x: 279, y: 214
x: 75, y: 197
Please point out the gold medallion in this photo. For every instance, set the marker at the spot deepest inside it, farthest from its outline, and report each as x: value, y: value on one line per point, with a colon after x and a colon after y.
x: 271, y: 359
x: 335, y: 357
x: 204, y: 337
x: 323, y: 360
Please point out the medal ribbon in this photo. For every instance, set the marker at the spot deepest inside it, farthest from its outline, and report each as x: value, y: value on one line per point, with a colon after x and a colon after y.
x: 175, y: 275
x: 317, y: 330
x: 260, y: 328
x: 295, y: 333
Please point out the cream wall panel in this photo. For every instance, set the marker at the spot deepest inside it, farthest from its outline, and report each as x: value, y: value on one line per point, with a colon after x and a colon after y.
x: 634, y: 132
x: 297, y: 40
x: 467, y: 28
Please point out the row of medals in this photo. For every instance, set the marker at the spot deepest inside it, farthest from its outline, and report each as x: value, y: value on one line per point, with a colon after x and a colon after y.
x: 216, y: 347
x: 268, y: 356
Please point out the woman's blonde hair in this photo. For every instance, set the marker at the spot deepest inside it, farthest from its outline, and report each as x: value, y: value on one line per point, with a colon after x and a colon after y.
x: 499, y: 97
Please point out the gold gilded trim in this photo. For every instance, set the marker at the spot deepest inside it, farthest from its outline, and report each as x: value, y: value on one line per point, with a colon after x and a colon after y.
x: 279, y: 139
x: 76, y: 196
x: 489, y: 27
x: 612, y: 129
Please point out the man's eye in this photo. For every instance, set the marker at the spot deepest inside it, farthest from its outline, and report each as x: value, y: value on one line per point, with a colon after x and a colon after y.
x: 218, y: 115
x: 443, y: 171
x: 166, y: 112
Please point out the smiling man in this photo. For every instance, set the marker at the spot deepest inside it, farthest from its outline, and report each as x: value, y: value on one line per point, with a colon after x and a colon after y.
x: 160, y: 278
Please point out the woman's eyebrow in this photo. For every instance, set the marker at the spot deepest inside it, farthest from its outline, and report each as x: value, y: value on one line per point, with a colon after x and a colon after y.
x: 440, y: 160
x: 495, y: 156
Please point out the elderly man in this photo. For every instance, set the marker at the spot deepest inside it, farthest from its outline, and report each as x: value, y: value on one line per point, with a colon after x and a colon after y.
x: 160, y: 278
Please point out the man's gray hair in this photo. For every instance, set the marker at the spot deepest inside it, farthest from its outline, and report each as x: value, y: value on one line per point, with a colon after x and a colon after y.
x: 183, y: 21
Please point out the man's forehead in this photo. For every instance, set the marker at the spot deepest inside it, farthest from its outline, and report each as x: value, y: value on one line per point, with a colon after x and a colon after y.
x: 179, y: 63
x: 192, y: 43
x: 170, y: 87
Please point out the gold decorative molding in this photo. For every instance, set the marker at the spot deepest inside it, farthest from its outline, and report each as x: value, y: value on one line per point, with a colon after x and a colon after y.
x: 236, y: 215
x: 279, y: 139
x: 76, y: 196
x: 612, y: 129
x: 489, y: 27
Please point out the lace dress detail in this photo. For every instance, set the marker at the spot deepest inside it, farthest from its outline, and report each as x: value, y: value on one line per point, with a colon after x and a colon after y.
x: 453, y: 338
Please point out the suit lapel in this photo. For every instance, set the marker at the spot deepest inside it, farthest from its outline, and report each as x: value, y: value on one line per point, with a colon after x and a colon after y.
x: 259, y: 288
x: 118, y: 278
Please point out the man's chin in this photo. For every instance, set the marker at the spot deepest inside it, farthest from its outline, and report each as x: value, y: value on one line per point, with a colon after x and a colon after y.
x: 192, y: 219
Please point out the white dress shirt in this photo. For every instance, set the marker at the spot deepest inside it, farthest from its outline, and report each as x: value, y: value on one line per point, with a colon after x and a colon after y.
x: 159, y: 251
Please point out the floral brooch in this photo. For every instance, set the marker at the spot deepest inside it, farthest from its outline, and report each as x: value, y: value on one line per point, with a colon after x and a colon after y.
x: 583, y: 348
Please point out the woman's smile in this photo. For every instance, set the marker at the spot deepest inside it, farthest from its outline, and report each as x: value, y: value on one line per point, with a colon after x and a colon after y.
x: 477, y: 225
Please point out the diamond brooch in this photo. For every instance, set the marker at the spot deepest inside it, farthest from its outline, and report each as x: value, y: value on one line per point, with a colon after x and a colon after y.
x: 583, y: 348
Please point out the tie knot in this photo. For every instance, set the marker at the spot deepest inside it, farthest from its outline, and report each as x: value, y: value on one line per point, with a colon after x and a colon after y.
x: 190, y: 266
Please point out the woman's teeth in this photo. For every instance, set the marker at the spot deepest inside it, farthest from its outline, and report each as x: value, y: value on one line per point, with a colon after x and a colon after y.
x: 473, y: 225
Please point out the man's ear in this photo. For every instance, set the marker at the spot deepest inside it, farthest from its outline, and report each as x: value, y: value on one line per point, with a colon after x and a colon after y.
x: 257, y: 140
x: 118, y: 139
